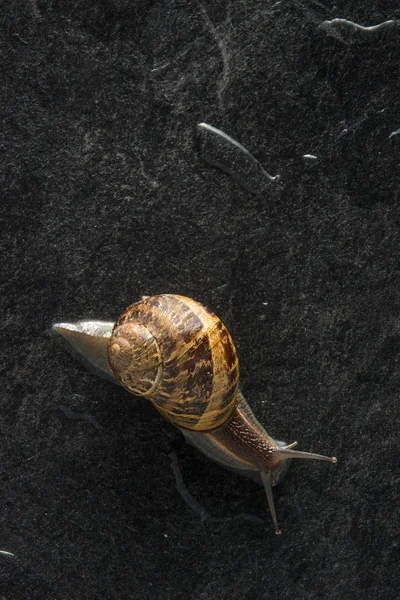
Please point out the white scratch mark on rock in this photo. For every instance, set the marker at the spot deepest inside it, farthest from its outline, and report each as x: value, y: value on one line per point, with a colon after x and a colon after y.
x: 347, y: 31
x: 224, y: 79
x: 397, y: 132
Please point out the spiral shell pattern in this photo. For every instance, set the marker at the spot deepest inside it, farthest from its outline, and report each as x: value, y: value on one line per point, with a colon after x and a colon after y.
x: 176, y: 352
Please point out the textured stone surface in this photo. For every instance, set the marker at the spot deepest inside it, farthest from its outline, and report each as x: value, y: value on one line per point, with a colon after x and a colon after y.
x: 104, y: 197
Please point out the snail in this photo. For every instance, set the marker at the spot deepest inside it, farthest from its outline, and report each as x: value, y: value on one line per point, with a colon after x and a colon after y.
x: 178, y: 354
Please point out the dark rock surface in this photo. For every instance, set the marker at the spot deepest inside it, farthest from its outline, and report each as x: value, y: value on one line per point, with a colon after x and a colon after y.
x: 105, y: 197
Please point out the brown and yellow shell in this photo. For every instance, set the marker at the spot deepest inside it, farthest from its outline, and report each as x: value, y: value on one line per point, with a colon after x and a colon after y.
x: 174, y: 351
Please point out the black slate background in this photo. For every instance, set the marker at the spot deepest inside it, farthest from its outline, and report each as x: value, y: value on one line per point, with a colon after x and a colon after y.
x: 104, y: 197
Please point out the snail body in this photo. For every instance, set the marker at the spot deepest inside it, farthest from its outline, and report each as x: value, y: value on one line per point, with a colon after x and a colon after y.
x: 178, y: 354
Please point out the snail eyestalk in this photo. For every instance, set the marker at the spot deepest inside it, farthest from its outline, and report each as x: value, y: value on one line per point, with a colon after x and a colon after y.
x: 267, y: 482
x: 287, y: 452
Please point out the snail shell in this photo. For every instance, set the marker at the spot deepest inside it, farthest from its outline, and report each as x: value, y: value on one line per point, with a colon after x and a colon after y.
x: 179, y: 355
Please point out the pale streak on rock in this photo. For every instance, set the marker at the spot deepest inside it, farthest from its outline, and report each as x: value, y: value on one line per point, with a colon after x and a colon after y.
x: 220, y: 150
x: 224, y: 79
x: 349, y: 32
x: 397, y: 132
